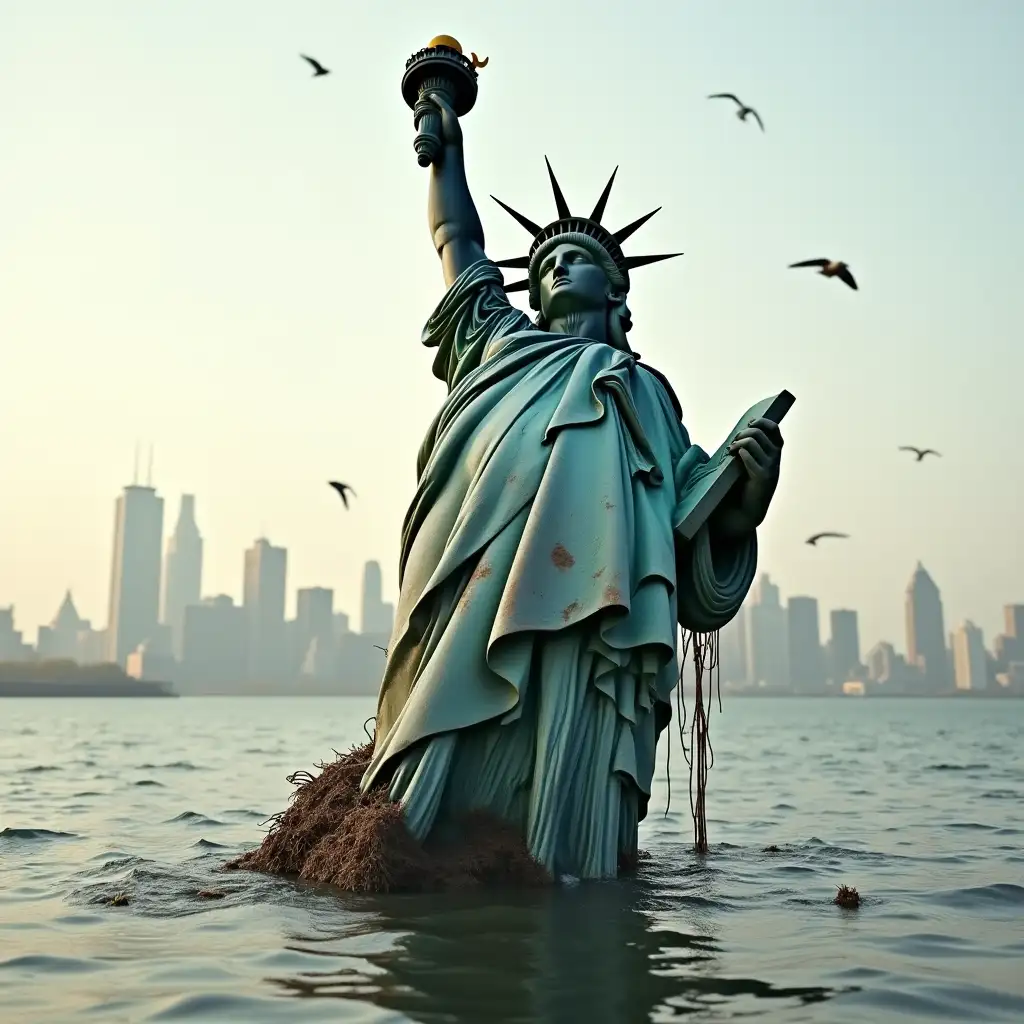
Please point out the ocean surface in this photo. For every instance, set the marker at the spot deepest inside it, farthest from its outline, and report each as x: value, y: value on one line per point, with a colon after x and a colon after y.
x: 919, y: 804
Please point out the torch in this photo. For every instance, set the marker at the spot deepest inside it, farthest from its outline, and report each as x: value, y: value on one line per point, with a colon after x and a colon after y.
x: 440, y: 67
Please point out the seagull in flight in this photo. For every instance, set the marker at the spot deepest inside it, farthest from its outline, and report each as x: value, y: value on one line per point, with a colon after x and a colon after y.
x: 819, y: 536
x: 830, y: 268
x: 343, y: 490
x: 318, y: 68
x: 743, y: 111
x: 919, y: 452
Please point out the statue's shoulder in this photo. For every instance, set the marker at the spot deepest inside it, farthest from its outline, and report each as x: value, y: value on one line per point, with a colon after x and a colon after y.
x: 666, y: 386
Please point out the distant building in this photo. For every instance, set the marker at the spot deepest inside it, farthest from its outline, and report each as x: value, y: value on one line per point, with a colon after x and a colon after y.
x: 970, y: 663
x: 134, y: 606
x: 183, y: 571
x: 377, y: 615
x: 60, y: 639
x: 341, y: 625
x: 767, y: 636
x: 732, y: 650
x: 926, y: 632
x: 12, y: 646
x: 1009, y: 645
x: 214, y: 647
x: 806, y: 671
x: 844, y: 645
x: 266, y: 571
x: 314, y: 631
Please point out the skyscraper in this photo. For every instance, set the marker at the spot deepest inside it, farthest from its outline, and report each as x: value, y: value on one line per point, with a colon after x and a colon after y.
x: 377, y: 615
x: 767, y: 636
x: 926, y: 632
x: 314, y: 629
x: 133, y: 610
x: 970, y: 662
x: 844, y: 647
x: 732, y: 649
x: 266, y: 571
x: 1013, y: 616
x: 806, y: 672
x: 183, y: 571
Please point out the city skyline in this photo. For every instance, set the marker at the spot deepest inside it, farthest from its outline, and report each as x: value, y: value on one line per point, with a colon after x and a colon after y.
x: 193, y: 261
x: 771, y: 643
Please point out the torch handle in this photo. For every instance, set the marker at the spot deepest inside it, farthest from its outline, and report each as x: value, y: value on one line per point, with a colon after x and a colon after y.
x: 428, y: 142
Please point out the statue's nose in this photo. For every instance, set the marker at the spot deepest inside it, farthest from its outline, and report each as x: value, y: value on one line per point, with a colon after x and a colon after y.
x: 559, y: 270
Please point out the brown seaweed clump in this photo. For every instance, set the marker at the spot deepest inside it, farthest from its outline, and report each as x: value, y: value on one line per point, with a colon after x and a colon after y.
x: 332, y: 833
x: 847, y: 897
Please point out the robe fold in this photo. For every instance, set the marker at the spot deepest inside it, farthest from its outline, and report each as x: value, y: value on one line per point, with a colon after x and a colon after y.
x: 534, y: 651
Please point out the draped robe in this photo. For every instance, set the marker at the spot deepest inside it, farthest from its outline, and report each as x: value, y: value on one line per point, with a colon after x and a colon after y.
x: 534, y: 651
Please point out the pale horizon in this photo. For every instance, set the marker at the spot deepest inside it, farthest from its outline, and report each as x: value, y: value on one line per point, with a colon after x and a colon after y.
x: 205, y: 249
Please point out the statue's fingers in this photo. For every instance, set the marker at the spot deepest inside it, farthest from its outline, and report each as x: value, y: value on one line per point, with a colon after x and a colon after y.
x: 753, y: 468
x: 763, y: 439
x: 441, y: 103
x: 749, y: 446
x: 771, y: 428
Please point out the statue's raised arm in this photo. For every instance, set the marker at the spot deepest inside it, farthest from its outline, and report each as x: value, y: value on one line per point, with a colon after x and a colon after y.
x: 455, y: 226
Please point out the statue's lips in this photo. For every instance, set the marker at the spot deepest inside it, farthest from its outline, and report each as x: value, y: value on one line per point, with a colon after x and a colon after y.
x: 560, y: 281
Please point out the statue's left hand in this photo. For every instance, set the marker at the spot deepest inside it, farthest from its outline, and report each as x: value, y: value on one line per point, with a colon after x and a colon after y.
x: 759, y: 448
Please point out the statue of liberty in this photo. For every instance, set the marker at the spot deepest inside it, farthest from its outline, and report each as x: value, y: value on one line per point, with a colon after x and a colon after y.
x: 544, y: 571
x: 535, y: 643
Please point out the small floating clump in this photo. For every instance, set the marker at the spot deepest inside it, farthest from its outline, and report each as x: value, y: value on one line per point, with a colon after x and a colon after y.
x: 847, y: 897
x: 121, y: 899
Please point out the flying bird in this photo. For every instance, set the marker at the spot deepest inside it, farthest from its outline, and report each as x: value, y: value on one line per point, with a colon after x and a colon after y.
x: 743, y: 111
x: 819, y: 536
x: 318, y: 68
x: 343, y: 490
x: 920, y: 452
x: 830, y: 268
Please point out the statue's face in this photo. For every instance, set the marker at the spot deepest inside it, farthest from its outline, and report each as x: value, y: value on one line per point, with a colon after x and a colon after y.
x: 571, y: 282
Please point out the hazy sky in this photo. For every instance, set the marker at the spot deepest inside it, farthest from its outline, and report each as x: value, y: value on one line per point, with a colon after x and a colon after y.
x: 204, y: 248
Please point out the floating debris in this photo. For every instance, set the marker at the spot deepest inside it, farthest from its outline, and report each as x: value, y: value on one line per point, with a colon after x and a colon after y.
x: 333, y: 833
x: 771, y: 849
x: 211, y: 894
x: 847, y: 897
x: 121, y: 899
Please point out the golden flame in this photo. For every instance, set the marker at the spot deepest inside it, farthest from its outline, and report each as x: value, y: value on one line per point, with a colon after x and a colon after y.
x: 450, y: 41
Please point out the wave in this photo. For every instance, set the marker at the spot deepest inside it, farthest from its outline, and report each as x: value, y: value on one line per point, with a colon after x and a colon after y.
x: 35, y: 834
x: 194, y: 818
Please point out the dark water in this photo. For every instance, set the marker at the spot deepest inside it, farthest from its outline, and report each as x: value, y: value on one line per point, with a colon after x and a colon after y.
x: 916, y: 803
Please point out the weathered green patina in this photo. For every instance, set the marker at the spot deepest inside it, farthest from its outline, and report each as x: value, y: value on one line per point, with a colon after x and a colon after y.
x: 542, y: 580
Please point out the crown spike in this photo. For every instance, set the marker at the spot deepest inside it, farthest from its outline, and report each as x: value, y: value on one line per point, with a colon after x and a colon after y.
x: 518, y: 286
x: 560, y: 204
x: 534, y: 229
x: 518, y: 262
x: 643, y: 261
x: 623, y: 233
x: 603, y: 201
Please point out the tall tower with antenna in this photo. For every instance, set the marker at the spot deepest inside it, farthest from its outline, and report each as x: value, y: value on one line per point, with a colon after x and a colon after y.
x: 134, y: 604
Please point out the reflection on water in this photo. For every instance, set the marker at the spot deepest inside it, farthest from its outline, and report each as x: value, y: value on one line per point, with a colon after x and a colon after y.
x: 587, y: 953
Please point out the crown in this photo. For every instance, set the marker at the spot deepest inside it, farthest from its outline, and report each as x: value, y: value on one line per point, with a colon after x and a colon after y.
x: 588, y: 232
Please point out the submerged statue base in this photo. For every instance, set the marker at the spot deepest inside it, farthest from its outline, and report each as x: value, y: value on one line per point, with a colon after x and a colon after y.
x: 331, y: 833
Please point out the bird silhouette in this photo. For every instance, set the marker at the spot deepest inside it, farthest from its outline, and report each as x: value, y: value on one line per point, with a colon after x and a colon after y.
x: 478, y: 63
x: 813, y: 540
x: 919, y: 452
x: 343, y: 490
x: 830, y: 268
x: 743, y: 111
x: 318, y: 68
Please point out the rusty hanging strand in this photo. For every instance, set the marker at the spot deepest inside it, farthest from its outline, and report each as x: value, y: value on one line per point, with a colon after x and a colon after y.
x: 701, y: 756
